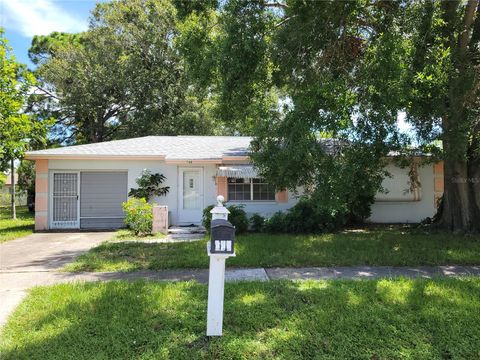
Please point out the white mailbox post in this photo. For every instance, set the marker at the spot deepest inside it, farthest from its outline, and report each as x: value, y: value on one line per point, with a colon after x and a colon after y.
x: 216, y: 277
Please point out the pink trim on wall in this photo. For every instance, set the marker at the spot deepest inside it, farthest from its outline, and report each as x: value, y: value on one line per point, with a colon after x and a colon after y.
x: 93, y: 157
x: 438, y: 182
x: 41, y: 166
x: 438, y: 185
x: 41, y: 202
x: 235, y: 158
x: 41, y: 184
x: 438, y: 168
x: 222, y: 187
x: 41, y: 194
x: 191, y: 162
x: 282, y: 196
x: 41, y: 222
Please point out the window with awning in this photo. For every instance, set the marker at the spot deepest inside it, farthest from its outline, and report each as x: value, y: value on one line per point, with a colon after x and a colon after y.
x: 244, y: 184
x: 238, y: 171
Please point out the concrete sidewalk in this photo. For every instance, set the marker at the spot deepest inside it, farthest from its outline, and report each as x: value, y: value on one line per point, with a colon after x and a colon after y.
x: 14, y: 284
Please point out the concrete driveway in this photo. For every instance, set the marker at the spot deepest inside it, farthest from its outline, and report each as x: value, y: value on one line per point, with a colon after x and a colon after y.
x: 32, y: 260
x: 46, y: 251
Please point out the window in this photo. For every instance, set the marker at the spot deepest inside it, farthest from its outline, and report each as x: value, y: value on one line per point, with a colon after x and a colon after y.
x: 250, y: 189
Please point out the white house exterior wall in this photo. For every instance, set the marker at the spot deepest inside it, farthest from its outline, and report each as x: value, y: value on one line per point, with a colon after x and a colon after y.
x: 134, y: 169
x: 382, y: 212
x: 266, y: 208
x: 408, y: 211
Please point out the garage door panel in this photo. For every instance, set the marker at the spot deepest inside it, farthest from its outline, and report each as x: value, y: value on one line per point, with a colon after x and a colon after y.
x: 101, y: 223
x: 101, y: 197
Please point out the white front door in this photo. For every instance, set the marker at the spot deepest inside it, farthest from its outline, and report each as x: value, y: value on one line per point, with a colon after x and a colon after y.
x: 65, y: 200
x: 190, y: 195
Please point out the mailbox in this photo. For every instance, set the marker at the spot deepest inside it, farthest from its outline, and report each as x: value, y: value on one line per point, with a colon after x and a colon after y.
x: 222, y: 239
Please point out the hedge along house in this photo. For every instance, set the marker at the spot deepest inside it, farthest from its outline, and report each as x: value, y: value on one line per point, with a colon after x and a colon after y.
x: 83, y: 186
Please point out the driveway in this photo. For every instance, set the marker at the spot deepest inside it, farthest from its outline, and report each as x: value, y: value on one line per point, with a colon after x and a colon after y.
x: 32, y: 260
x: 46, y: 251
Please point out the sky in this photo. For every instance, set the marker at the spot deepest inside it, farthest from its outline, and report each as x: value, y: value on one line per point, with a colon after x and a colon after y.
x: 22, y: 19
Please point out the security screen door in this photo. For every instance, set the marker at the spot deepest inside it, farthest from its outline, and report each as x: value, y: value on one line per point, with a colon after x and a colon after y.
x: 65, y: 200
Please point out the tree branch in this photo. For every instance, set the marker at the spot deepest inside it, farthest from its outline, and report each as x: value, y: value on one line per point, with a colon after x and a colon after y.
x: 48, y: 92
x: 276, y: 4
x: 468, y: 18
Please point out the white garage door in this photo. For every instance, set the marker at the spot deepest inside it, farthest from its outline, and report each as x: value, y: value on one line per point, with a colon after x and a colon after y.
x: 101, y: 198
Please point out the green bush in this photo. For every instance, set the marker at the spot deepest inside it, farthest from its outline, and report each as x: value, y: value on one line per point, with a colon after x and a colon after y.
x: 138, y: 216
x: 237, y: 217
x: 277, y: 223
x: 149, y: 185
x: 307, y: 216
x: 257, y: 222
x: 207, y: 217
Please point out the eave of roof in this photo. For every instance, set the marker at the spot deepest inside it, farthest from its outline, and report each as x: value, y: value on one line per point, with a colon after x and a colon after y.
x: 30, y: 156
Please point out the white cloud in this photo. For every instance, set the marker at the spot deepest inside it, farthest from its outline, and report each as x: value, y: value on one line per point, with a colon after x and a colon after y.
x: 39, y: 17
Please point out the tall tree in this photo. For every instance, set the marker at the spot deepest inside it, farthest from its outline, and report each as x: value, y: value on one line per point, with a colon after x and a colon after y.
x: 444, y: 96
x: 16, y: 127
x: 348, y: 69
x: 120, y: 78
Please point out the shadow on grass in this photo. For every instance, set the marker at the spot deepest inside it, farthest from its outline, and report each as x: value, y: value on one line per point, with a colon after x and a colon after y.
x: 288, y: 320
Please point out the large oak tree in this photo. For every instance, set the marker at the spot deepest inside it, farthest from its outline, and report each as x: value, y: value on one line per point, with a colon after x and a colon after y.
x: 347, y: 69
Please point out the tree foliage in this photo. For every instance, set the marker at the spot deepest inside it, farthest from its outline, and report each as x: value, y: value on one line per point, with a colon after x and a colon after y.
x: 345, y: 70
x: 120, y: 78
x: 17, y: 128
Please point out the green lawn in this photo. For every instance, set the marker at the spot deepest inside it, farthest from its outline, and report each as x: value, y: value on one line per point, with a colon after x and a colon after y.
x: 12, y: 229
x: 383, y: 319
x: 377, y: 246
x: 128, y: 235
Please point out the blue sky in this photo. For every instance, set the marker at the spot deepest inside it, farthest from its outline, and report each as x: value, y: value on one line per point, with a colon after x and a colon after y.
x: 22, y: 19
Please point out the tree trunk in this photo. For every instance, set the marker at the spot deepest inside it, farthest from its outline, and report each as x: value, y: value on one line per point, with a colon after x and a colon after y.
x: 12, y: 177
x: 460, y: 208
x: 457, y: 213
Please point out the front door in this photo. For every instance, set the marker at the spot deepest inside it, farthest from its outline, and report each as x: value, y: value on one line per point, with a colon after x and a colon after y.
x: 65, y: 204
x: 190, y: 193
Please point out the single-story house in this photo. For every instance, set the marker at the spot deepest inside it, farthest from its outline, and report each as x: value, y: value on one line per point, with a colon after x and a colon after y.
x: 83, y: 186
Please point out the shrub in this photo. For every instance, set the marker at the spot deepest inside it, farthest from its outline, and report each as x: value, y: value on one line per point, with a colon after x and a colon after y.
x: 237, y: 217
x: 307, y: 216
x: 138, y: 216
x: 207, y: 217
x: 257, y: 222
x: 277, y: 223
x: 149, y: 185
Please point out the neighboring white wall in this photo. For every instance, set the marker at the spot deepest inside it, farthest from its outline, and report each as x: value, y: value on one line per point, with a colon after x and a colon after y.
x: 405, y: 211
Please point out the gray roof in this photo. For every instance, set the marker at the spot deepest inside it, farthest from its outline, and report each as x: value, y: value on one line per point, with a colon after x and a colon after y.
x: 169, y: 147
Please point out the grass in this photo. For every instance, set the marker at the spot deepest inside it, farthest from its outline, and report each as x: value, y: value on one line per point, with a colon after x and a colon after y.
x: 392, y: 246
x: 128, y: 235
x: 13, y: 229
x: 383, y: 319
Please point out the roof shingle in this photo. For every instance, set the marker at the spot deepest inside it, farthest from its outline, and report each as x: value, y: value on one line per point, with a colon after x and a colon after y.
x: 170, y: 147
